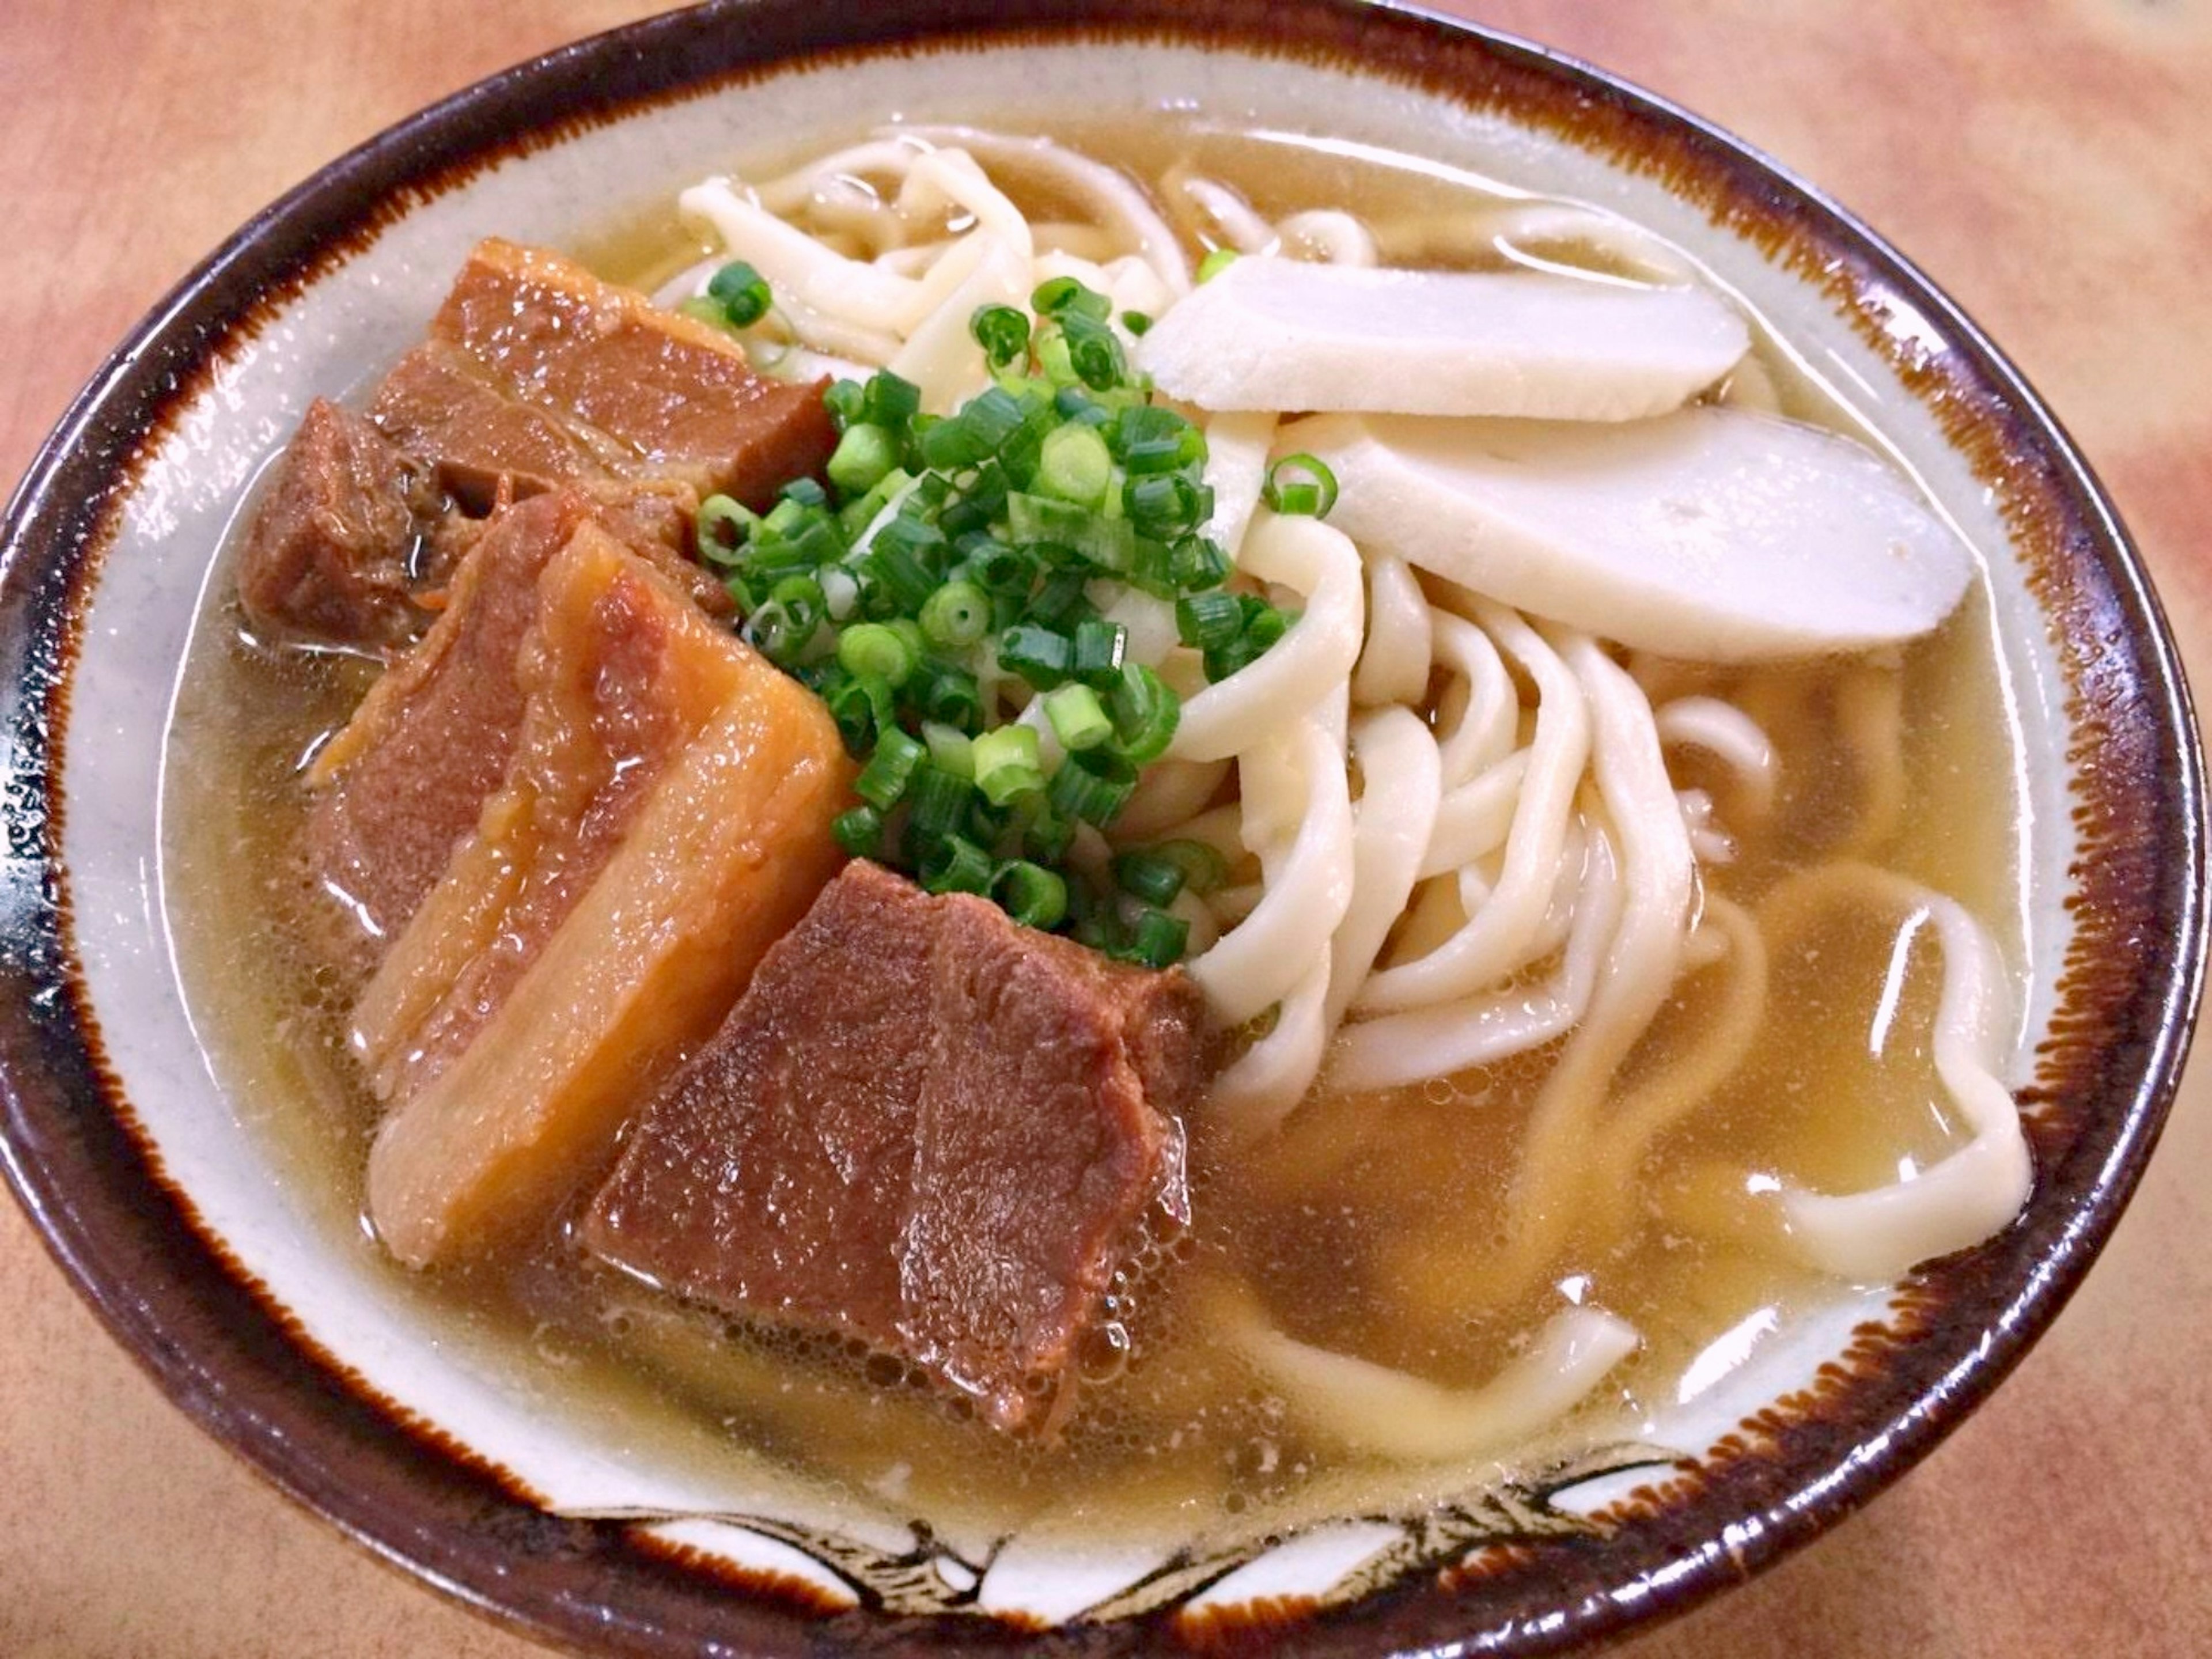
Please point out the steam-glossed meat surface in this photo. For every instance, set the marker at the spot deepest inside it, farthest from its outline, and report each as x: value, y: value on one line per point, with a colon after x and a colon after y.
x: 539, y: 372
x: 619, y: 673
x: 924, y: 1126
x: 685, y: 881
x: 400, y: 786
x: 327, y: 556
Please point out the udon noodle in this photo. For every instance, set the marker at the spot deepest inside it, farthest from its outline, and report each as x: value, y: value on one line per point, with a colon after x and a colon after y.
x: 1468, y: 842
x: 1476, y: 853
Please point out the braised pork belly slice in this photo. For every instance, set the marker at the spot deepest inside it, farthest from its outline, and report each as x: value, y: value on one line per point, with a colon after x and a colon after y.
x: 925, y: 1127
x: 327, y: 558
x: 401, y: 785
x: 664, y: 816
x: 536, y: 373
x: 618, y: 673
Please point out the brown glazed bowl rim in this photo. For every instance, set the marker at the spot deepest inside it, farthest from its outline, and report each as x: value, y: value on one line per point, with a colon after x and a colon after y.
x: 165, y: 1289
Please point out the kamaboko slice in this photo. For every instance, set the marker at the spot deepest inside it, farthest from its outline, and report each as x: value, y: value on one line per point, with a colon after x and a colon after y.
x: 1278, y: 334
x: 1708, y: 533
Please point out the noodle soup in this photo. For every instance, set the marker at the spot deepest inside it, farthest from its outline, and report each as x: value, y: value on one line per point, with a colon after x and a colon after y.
x: 1389, y: 1286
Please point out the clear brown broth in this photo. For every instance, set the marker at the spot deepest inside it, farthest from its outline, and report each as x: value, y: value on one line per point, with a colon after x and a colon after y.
x: 1362, y: 1228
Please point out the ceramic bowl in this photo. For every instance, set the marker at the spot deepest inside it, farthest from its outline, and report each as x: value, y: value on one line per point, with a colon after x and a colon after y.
x: 154, y: 1185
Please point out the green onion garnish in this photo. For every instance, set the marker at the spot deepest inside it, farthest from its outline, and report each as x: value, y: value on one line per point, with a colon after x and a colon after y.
x: 936, y: 548
x: 1150, y: 878
x: 1215, y: 263
x: 722, y: 528
x: 1159, y: 939
x: 1312, y: 494
x: 742, y: 291
x: 1079, y: 720
x: 956, y: 615
x: 863, y: 456
x: 1007, y: 763
x: 879, y: 649
x: 1003, y: 332
x: 1032, y: 894
x: 859, y: 832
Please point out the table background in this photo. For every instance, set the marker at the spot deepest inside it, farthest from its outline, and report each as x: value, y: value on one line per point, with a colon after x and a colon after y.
x: 2049, y: 162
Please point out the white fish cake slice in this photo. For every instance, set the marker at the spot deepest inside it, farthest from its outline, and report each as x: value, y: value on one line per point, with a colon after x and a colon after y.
x: 1708, y: 533
x: 1278, y: 334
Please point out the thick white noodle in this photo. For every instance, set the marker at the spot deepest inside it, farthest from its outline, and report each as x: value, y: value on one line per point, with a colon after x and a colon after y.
x: 947, y: 178
x: 1475, y: 818
x: 1309, y: 662
x: 1298, y: 818
x: 940, y: 355
x: 1232, y: 222
x: 803, y: 272
x: 1477, y: 1030
x: 1116, y: 197
x: 1169, y: 793
x: 1236, y: 445
x: 1660, y: 882
x: 1390, y: 829
x: 1329, y: 235
x: 1497, y: 940
x: 1394, y: 664
x: 1519, y: 230
x: 1879, y: 1233
x: 1480, y: 711
x: 838, y: 175
x: 1731, y: 737
x: 1264, y: 1084
x: 1384, y: 1412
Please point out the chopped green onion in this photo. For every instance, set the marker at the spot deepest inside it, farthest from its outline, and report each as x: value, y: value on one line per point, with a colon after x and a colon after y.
x: 957, y: 864
x: 1080, y: 793
x: 723, y: 528
x: 1159, y: 939
x: 876, y: 648
x: 1152, y: 879
x: 951, y: 750
x: 1209, y: 621
x: 843, y: 399
x: 1311, y: 494
x: 1094, y: 351
x: 1197, y: 563
x: 1137, y: 322
x: 1204, y: 869
x: 1079, y: 720
x: 1032, y: 894
x: 1099, y: 647
x: 1146, y: 715
x: 890, y: 401
x: 1007, y: 763
x: 1003, y: 332
x: 956, y: 615
x: 953, y: 698
x: 859, y: 832
x: 1075, y: 466
x: 1061, y: 297
x: 939, y: 802
x: 863, y: 456
x: 700, y: 309
x: 742, y: 291
x: 1037, y: 654
x: 1166, y: 505
x: 1215, y: 263
x: 885, y: 779
x: 802, y: 492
